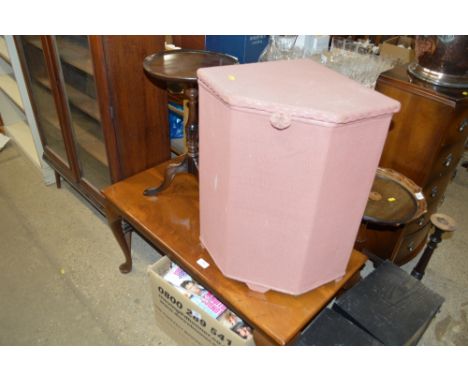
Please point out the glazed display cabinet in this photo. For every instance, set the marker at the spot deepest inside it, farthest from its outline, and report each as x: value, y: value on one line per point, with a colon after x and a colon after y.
x: 100, y: 119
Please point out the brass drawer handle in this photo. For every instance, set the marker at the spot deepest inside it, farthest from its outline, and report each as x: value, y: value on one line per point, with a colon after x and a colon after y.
x: 448, y: 160
x: 462, y: 126
x: 434, y: 192
x: 410, y: 246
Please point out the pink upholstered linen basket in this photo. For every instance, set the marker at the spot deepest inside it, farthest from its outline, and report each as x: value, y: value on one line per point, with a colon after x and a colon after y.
x: 288, y: 154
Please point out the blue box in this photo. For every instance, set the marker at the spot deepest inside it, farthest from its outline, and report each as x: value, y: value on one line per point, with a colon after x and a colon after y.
x: 176, y: 121
x: 246, y: 48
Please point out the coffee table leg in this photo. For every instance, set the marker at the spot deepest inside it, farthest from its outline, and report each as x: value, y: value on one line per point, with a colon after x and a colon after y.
x: 122, y: 233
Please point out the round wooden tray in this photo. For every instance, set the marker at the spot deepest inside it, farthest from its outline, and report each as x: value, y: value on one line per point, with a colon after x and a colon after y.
x: 394, y: 199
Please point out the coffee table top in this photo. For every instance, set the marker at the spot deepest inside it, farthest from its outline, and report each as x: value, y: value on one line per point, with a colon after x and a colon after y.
x: 181, y: 65
x: 170, y: 221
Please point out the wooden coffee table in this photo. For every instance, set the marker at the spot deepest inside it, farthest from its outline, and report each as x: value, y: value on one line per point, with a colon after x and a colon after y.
x: 170, y: 222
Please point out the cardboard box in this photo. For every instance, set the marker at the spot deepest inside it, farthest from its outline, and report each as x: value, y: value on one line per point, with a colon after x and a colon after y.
x: 400, y: 48
x: 182, y: 319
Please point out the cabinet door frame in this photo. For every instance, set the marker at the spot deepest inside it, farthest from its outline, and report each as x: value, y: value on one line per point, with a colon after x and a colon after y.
x: 96, y: 46
x: 135, y: 137
x: 88, y: 189
x: 66, y: 169
x: 53, y: 67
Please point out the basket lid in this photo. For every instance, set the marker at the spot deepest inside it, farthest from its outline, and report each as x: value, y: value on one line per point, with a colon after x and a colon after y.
x: 298, y: 88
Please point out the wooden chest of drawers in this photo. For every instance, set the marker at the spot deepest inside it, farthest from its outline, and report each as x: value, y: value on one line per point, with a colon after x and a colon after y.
x: 425, y: 142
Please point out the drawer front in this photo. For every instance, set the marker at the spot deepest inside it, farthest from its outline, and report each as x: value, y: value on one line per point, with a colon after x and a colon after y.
x: 435, y: 191
x: 420, y: 222
x: 446, y: 162
x: 434, y: 194
x: 458, y: 130
x: 424, y: 219
x: 411, y: 245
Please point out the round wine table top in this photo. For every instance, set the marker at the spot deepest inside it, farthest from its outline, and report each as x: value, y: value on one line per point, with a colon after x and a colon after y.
x: 444, y: 222
x: 181, y: 65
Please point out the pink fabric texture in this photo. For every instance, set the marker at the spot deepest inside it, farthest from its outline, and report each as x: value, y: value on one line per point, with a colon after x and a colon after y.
x: 288, y: 154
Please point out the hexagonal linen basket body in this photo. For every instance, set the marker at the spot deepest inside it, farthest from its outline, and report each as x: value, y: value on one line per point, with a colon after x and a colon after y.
x: 288, y: 154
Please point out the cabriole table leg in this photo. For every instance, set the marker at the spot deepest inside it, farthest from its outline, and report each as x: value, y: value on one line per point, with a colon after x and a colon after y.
x: 122, y: 233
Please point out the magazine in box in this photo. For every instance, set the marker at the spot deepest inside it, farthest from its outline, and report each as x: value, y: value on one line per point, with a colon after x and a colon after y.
x: 178, y: 278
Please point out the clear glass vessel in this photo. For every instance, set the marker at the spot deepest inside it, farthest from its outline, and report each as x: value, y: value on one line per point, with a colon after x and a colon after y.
x: 280, y: 47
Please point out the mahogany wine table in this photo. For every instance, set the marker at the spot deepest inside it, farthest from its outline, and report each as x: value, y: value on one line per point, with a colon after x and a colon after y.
x: 170, y: 222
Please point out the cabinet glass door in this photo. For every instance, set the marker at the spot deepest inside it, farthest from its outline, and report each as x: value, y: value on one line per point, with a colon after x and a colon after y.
x: 79, y: 86
x: 42, y: 98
